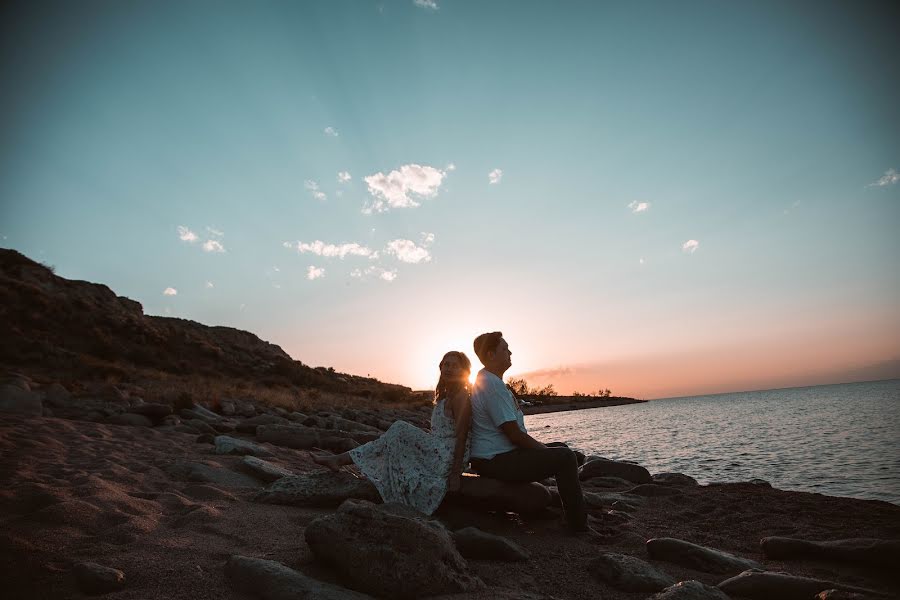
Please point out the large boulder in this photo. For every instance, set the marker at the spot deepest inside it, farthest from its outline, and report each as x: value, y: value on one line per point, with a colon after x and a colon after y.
x: 320, y: 489
x: 183, y: 470
x: 229, y: 445
x: 302, y: 437
x: 700, y: 558
x: 652, y: 490
x: 601, y: 467
x: 493, y: 494
x: 263, y: 470
x: 250, y: 425
x: 690, y: 590
x: 674, y: 479
x: 628, y: 573
x: 768, y: 585
x: 474, y: 543
x: 270, y: 580
x: 14, y: 399
x: 390, y: 555
x: 883, y: 553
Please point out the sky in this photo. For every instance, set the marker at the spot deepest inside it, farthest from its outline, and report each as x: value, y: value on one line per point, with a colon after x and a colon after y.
x: 662, y: 199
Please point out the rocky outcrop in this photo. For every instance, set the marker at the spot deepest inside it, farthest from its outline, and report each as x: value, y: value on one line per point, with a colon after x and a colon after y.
x: 768, y: 585
x: 250, y: 425
x: 183, y: 470
x: 263, y: 470
x: 690, y: 590
x: 474, y: 543
x: 92, y: 578
x: 701, y: 558
x: 302, y: 437
x: 652, y: 490
x: 270, y: 580
x: 321, y: 489
x: 601, y: 467
x: 229, y: 445
x: 132, y: 419
x: 484, y: 493
x: 674, y: 479
x: 883, y: 553
x: 628, y: 573
x: 14, y: 399
x: 389, y: 555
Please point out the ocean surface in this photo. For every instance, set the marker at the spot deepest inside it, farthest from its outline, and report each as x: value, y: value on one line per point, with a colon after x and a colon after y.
x: 840, y: 440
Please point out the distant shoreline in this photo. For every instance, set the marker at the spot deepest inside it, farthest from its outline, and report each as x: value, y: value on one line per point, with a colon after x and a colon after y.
x: 566, y: 403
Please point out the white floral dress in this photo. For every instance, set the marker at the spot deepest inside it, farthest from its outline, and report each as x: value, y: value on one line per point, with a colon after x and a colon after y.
x: 409, y: 465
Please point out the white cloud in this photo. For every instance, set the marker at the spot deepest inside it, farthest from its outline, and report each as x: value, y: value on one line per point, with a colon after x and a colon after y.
x: 690, y: 246
x: 641, y: 261
x: 451, y: 167
x: 287, y: 244
x: 214, y: 232
x: 276, y: 269
x: 333, y: 250
x: 315, y: 273
x: 213, y: 246
x: 169, y: 291
x: 429, y: 4
x: 637, y: 207
x: 427, y: 238
x: 890, y: 177
x: 383, y: 274
x: 186, y: 235
x: 344, y: 176
x: 395, y: 190
x: 331, y: 131
x: 408, y: 252
x: 388, y: 275
x: 209, y: 285
x: 495, y: 176
x: 313, y: 188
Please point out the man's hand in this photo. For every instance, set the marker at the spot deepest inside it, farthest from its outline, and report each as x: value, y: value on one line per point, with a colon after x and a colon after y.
x: 518, y: 437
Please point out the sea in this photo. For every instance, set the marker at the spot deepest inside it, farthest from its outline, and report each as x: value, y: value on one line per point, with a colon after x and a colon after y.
x: 840, y: 440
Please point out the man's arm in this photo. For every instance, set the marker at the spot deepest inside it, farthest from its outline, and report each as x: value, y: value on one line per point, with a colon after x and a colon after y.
x: 518, y: 437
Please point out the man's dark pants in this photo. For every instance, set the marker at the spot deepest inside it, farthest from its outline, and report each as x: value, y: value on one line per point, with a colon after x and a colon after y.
x: 535, y: 464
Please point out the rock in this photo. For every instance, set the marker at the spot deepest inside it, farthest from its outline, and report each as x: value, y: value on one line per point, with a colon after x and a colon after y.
x: 474, y: 543
x: 199, y: 426
x: 226, y: 407
x: 198, y: 412
x: 299, y: 436
x: 609, y: 482
x: 768, y: 585
x: 389, y: 555
x: 270, y: 580
x: 229, y: 445
x: 491, y: 494
x: 883, y: 553
x: 250, y: 425
x: 263, y: 470
x: 320, y: 489
x: 760, y: 482
x: 652, y: 490
x: 206, y: 438
x: 605, y: 468
x: 56, y: 395
x: 674, y: 479
x: 613, y: 500
x: 222, y: 427
x: 198, y: 472
x: 697, y: 557
x: 348, y: 425
x: 690, y: 590
x: 97, y: 579
x: 842, y: 595
x: 130, y: 419
x: 152, y: 410
x: 628, y: 573
x: 297, y: 417
x: 14, y: 399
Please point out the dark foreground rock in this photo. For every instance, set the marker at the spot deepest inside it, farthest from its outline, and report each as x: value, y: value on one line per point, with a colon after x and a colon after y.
x: 390, y: 555
x: 474, y: 543
x: 674, y: 479
x: 882, y: 553
x: 601, y: 467
x: 97, y: 579
x: 263, y: 470
x: 491, y: 494
x: 768, y: 585
x: 652, y: 490
x: 183, y: 470
x: 628, y: 573
x: 270, y: 580
x: 228, y: 445
x: 690, y: 590
x: 701, y: 558
x: 322, y: 489
x: 305, y: 438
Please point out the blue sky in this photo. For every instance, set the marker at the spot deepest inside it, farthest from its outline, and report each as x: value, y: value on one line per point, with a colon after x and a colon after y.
x: 672, y: 182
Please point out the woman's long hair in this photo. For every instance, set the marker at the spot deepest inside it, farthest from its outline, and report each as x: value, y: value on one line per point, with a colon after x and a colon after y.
x: 447, y: 387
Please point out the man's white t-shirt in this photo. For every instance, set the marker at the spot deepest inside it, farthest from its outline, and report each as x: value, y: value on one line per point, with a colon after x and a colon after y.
x: 492, y: 405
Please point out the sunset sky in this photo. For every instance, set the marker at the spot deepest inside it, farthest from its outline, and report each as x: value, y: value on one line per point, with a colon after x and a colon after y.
x: 659, y: 198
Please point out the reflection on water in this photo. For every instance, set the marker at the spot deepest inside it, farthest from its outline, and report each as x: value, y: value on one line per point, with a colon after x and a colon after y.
x: 841, y: 440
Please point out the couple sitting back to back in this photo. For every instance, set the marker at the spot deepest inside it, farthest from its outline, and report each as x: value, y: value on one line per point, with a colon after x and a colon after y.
x: 418, y: 468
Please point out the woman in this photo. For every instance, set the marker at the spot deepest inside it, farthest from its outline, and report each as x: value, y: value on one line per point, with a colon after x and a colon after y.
x: 415, y: 467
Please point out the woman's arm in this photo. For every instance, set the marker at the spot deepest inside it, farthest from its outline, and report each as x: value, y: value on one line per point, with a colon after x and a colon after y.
x: 462, y: 417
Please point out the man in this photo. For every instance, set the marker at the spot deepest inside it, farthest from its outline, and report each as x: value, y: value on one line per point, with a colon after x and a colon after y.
x: 500, y: 445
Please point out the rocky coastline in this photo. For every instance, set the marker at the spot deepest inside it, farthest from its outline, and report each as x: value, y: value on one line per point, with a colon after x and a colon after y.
x: 107, y: 494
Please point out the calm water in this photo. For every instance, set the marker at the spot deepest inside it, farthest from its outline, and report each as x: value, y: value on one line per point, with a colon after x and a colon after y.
x: 841, y: 440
